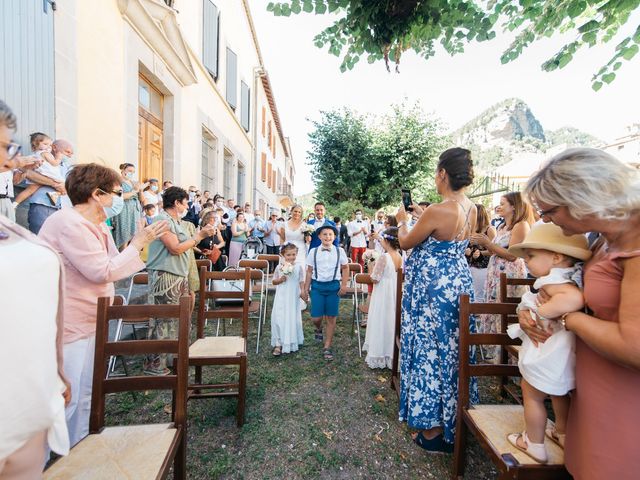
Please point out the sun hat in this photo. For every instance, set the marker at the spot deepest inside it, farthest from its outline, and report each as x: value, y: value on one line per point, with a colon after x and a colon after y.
x: 330, y: 227
x: 547, y: 236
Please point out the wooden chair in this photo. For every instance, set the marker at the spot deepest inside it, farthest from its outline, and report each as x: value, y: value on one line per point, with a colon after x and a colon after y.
x: 259, y: 273
x: 490, y: 424
x: 395, y: 372
x: 140, y: 278
x: 360, y: 279
x: 204, y: 262
x: 133, y: 451
x: 273, y: 263
x: 505, y: 320
x: 224, y: 350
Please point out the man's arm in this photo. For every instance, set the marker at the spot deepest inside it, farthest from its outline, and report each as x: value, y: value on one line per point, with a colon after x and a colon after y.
x: 40, y: 179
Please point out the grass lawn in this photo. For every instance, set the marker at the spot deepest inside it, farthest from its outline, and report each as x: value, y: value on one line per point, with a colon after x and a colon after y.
x: 306, y: 418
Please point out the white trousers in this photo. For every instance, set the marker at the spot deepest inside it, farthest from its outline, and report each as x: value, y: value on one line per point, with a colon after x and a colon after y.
x: 78, y: 367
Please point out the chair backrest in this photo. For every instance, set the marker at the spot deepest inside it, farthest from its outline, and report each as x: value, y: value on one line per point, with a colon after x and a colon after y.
x: 257, y: 264
x: 506, y: 282
x: 176, y: 381
x: 467, y: 339
x: 222, y: 311
x: 269, y: 257
x: 204, y: 262
x: 354, y: 268
x: 363, y: 279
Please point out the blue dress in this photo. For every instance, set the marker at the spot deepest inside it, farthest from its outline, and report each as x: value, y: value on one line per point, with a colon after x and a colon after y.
x: 436, y: 274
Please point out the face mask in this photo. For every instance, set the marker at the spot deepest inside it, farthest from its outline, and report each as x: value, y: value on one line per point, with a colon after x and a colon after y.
x: 66, y: 159
x: 154, y: 188
x: 115, y: 208
x: 219, y: 204
x: 184, y: 213
x: 129, y: 175
x: 192, y: 196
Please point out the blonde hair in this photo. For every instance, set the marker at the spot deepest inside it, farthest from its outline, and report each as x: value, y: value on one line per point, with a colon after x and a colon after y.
x: 588, y: 181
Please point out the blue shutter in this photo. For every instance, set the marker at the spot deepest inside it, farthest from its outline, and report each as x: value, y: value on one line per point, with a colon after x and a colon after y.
x: 26, y: 66
x: 232, y: 79
x: 210, y: 37
x: 245, y: 99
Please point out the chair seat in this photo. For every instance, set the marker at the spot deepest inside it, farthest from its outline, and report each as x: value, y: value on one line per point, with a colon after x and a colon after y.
x: 497, y: 421
x: 217, y: 347
x: 136, y: 451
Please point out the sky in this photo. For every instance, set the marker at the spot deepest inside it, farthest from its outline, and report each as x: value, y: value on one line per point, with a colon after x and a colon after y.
x: 307, y: 80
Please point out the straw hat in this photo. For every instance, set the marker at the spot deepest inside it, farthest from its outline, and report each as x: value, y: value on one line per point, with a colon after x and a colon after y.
x: 547, y: 236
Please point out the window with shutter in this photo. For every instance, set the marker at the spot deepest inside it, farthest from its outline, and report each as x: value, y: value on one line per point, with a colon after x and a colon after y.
x: 264, y: 116
x: 245, y: 99
x: 210, y: 29
x: 232, y: 79
x: 263, y: 170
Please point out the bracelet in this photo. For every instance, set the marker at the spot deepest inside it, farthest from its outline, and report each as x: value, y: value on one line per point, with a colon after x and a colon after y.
x: 563, y: 321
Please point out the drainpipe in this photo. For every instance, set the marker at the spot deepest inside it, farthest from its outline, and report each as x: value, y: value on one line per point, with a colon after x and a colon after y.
x: 258, y: 72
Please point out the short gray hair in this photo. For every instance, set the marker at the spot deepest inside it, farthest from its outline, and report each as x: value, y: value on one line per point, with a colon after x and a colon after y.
x: 588, y: 181
x: 7, y: 117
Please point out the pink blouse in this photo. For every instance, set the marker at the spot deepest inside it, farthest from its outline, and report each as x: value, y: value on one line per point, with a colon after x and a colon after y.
x: 602, y: 430
x: 91, y: 262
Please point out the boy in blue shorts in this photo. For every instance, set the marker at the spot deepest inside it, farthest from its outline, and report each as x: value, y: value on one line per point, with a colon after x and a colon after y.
x: 326, y: 279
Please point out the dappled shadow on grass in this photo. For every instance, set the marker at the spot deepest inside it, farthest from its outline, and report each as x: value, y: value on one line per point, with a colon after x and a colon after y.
x: 305, y: 417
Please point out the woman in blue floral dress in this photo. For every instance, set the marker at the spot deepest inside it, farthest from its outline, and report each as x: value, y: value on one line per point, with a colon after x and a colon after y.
x: 436, y: 274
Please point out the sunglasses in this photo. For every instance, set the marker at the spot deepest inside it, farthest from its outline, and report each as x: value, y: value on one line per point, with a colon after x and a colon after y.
x: 114, y: 192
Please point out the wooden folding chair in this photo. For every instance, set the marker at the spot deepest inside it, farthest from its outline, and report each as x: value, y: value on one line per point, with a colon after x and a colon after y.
x: 225, y: 350
x: 505, y: 320
x: 260, y: 269
x: 490, y: 424
x: 360, y: 279
x: 351, y: 291
x: 140, y: 278
x: 133, y: 451
x: 395, y: 371
x: 273, y: 263
x: 204, y: 262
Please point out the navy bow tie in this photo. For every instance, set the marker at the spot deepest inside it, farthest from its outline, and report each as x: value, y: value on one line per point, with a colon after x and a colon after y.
x: 326, y: 249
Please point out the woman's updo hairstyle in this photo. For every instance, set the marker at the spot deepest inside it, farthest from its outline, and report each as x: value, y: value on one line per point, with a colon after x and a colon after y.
x: 391, y: 235
x: 458, y: 165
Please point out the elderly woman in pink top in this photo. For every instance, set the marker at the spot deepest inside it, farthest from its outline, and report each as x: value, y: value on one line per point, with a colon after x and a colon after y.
x: 587, y: 190
x: 91, y: 263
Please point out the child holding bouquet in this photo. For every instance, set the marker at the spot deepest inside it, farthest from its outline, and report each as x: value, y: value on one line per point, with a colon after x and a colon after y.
x: 286, y: 317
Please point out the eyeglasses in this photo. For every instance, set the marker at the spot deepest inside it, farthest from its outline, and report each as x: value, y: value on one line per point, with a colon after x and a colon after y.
x: 13, y: 149
x: 549, y: 211
x: 114, y: 192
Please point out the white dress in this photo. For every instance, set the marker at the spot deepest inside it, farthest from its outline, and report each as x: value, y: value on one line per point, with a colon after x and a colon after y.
x: 286, y: 318
x: 378, y: 342
x: 549, y: 367
x: 297, y: 238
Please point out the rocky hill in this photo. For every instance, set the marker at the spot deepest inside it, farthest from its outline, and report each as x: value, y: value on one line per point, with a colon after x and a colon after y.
x: 509, y: 128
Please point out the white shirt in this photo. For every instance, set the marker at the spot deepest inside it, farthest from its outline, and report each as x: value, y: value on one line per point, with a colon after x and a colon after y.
x: 273, y: 239
x: 6, y: 183
x: 326, y: 262
x: 358, y: 239
x: 150, y: 197
x: 248, y: 217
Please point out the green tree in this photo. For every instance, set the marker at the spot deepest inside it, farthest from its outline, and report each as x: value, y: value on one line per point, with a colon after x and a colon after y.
x: 366, y: 160
x: 380, y: 29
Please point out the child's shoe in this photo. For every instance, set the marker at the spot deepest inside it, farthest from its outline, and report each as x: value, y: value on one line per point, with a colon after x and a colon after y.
x: 553, y: 434
x: 537, y: 451
x: 53, y: 197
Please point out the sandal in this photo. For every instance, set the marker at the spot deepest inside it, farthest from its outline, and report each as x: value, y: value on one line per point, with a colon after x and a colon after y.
x: 327, y: 354
x: 537, y: 451
x: 434, y: 445
x: 318, y: 334
x: 553, y: 435
x: 277, y: 351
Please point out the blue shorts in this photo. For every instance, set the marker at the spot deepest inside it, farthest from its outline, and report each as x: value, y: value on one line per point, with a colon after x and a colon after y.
x: 324, y: 298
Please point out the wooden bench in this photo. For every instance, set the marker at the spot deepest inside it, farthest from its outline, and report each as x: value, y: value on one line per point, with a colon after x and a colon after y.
x: 133, y: 451
x: 490, y: 424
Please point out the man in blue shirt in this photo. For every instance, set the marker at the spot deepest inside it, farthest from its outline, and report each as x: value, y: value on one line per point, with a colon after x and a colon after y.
x: 40, y: 207
x: 256, y: 225
x: 320, y: 220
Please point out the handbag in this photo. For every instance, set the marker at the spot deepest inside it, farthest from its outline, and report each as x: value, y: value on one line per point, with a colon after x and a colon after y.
x: 213, y: 254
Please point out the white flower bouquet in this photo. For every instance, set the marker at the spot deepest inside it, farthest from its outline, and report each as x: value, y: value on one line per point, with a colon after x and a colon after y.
x: 286, y: 269
x: 370, y: 256
x: 307, y: 229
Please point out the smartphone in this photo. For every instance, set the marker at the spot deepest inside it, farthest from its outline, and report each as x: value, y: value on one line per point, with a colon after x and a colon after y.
x: 406, y: 199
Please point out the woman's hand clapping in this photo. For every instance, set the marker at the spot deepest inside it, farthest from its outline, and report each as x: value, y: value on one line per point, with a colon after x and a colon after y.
x: 479, y: 239
x: 149, y: 233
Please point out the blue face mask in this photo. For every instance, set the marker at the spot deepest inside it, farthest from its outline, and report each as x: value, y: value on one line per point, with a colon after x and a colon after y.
x: 115, y: 208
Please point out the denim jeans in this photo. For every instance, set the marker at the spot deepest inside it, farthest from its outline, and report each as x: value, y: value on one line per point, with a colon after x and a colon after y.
x: 37, y: 215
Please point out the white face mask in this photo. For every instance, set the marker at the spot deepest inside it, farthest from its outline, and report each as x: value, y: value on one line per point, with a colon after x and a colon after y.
x: 219, y: 204
x: 183, y: 213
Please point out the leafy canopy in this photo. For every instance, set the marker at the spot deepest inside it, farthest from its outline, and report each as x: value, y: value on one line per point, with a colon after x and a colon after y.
x: 379, y: 29
x: 367, y: 160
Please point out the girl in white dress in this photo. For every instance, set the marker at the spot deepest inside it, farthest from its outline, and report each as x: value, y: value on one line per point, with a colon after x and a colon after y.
x: 292, y: 232
x: 378, y: 342
x: 548, y: 368
x: 286, y: 318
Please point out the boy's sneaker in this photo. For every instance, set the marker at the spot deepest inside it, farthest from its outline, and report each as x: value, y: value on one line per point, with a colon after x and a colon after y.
x: 53, y: 197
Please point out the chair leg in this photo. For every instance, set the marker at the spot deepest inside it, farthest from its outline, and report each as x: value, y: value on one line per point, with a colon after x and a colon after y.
x: 180, y: 461
x: 460, y: 444
x: 242, y: 390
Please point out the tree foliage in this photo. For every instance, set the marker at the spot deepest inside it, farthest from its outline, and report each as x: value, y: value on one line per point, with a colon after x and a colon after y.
x: 380, y: 29
x: 367, y: 160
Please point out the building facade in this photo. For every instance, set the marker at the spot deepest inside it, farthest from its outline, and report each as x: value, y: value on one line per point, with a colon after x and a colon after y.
x: 176, y: 87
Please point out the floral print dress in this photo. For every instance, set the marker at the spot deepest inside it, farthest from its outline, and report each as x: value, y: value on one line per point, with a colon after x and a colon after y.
x: 436, y: 274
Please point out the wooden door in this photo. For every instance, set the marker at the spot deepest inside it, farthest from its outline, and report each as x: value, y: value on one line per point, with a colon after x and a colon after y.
x: 150, y: 131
